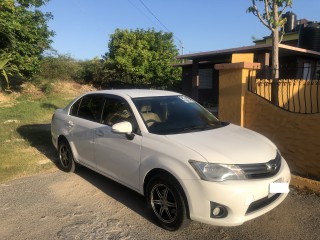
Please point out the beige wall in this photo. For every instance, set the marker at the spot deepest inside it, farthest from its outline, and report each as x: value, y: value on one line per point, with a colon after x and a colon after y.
x: 296, y: 135
x: 233, y: 79
x: 242, y: 57
x: 230, y: 96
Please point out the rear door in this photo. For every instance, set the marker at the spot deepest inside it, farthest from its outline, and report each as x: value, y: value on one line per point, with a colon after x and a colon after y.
x: 84, y: 118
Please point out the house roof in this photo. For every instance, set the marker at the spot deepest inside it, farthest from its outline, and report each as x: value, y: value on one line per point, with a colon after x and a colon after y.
x: 225, y: 54
x: 289, y: 36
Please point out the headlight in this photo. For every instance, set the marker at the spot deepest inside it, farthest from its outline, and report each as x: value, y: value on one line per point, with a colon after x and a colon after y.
x: 216, y: 172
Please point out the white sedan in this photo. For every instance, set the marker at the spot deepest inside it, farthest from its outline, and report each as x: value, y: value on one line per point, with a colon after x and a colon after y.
x: 167, y: 147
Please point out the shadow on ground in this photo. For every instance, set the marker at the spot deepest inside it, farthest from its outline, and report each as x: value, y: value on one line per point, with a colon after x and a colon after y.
x: 120, y: 193
x: 49, y: 106
x: 39, y: 137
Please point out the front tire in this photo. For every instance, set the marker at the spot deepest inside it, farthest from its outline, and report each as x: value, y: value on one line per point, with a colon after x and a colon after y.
x: 165, y: 201
x: 66, y: 160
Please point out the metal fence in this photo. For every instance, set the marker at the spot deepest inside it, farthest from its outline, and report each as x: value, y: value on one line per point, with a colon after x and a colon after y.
x: 294, y: 95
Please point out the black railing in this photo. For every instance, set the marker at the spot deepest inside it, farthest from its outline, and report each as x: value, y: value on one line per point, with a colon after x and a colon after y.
x: 294, y: 95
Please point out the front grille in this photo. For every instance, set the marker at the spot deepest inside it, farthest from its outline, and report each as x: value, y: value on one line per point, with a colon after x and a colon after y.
x: 262, y: 170
x: 256, y: 205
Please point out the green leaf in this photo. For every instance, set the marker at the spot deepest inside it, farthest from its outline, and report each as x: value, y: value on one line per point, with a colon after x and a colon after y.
x: 142, y: 57
x: 3, y: 62
x: 24, y: 34
x: 4, y: 74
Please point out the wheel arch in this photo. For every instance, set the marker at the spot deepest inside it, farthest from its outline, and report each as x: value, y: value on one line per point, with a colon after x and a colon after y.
x: 71, y: 145
x: 162, y: 172
x: 62, y: 138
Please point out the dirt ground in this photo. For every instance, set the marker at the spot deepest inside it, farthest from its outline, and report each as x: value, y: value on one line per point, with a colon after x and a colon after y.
x: 86, y: 205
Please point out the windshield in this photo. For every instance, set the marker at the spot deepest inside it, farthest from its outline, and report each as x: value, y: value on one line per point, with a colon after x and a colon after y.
x: 174, y: 114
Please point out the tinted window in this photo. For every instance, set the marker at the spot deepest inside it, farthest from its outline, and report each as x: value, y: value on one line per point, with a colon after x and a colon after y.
x: 75, y: 107
x: 116, y: 110
x: 90, y: 107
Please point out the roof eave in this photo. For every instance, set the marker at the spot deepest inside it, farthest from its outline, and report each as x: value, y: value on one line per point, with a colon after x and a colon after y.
x: 247, y: 49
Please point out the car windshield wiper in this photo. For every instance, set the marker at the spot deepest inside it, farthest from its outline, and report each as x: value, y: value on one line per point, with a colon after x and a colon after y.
x: 179, y: 130
x: 201, y: 127
x: 193, y: 128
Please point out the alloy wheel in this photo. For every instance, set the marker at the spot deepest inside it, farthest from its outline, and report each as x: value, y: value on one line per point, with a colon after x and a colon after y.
x: 163, y: 203
x: 65, y: 156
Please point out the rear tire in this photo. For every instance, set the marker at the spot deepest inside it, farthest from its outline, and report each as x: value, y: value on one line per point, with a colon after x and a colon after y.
x: 166, y: 203
x: 66, y: 160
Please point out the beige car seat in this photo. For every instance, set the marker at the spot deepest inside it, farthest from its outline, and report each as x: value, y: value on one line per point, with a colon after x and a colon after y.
x: 149, y: 117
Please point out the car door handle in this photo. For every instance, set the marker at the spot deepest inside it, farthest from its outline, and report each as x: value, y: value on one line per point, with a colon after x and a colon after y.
x: 99, y: 133
x: 70, y: 123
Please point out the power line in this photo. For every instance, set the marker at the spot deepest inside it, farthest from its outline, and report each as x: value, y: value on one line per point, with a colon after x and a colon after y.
x: 181, y: 43
x: 143, y: 12
x: 148, y: 9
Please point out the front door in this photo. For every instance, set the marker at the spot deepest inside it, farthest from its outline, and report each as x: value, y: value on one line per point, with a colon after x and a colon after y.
x: 117, y: 155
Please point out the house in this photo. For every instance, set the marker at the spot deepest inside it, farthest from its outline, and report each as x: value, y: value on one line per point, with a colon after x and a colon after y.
x: 299, y: 54
x: 221, y: 80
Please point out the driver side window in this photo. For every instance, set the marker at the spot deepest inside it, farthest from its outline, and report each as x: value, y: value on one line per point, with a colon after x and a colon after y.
x: 116, y: 110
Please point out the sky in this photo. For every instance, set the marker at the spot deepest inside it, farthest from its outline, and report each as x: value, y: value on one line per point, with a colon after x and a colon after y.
x: 83, y: 27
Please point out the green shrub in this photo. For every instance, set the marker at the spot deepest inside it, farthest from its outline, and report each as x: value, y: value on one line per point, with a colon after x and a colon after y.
x: 61, y: 67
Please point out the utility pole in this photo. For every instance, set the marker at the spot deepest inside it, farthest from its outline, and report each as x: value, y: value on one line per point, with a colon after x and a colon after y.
x: 182, y: 48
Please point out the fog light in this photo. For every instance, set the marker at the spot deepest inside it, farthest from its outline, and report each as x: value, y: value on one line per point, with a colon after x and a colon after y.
x: 218, y: 210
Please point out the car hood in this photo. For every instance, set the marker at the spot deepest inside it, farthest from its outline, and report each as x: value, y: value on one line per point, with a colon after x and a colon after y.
x: 230, y: 144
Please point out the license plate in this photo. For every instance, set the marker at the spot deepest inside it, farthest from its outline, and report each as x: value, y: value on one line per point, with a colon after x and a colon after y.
x: 278, y: 187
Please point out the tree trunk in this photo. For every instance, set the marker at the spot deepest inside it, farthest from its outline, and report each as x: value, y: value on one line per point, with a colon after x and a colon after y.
x: 275, y: 57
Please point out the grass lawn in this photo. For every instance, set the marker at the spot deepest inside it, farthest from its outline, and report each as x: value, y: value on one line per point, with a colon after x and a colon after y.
x: 25, y: 136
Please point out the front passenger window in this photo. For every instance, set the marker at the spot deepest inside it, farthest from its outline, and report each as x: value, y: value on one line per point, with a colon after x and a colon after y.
x: 115, y: 111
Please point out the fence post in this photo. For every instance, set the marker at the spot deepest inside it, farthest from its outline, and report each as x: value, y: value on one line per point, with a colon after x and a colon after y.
x: 233, y: 85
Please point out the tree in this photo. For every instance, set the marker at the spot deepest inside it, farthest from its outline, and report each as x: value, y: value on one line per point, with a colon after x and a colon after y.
x: 271, y: 17
x: 29, y: 34
x: 6, y: 69
x: 143, y: 57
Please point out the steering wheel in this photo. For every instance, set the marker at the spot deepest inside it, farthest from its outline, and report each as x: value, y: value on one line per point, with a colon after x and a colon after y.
x: 150, y: 122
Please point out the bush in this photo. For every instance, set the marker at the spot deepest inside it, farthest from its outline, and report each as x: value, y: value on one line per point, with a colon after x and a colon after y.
x: 93, y: 71
x: 61, y: 67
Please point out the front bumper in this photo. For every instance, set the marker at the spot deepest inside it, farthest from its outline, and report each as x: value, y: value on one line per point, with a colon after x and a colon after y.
x: 243, y: 199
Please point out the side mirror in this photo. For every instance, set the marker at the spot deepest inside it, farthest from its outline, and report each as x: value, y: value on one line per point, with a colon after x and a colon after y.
x: 122, y: 127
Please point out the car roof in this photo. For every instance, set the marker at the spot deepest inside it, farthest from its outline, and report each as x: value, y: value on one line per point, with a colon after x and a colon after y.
x: 137, y: 93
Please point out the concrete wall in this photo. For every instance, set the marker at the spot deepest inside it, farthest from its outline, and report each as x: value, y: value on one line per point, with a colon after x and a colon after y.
x: 230, y: 96
x: 296, y: 135
x: 233, y: 78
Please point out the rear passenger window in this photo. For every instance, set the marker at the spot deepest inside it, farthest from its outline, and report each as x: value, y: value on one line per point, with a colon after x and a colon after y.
x: 90, y: 107
x: 75, y: 107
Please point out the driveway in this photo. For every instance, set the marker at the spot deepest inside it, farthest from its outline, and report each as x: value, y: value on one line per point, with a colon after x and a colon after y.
x: 86, y: 205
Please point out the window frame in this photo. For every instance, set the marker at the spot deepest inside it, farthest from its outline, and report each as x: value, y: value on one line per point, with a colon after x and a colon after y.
x: 134, y: 122
x: 80, y: 100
